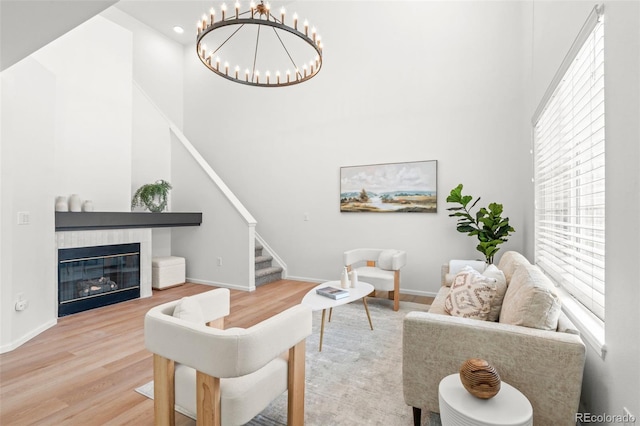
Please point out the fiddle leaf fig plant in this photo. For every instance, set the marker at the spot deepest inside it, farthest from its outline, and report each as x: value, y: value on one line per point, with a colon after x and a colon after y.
x: 152, y: 196
x: 487, y: 224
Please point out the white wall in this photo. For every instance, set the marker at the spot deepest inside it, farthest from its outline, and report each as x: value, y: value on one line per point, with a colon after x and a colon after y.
x: 93, y: 113
x: 448, y: 87
x: 151, y: 158
x: 612, y: 383
x: 28, y: 134
x: 66, y: 128
x: 217, y: 251
x: 157, y: 73
x: 71, y: 123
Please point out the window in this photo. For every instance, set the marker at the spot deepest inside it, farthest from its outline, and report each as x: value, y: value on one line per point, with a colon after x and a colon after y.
x: 569, y: 152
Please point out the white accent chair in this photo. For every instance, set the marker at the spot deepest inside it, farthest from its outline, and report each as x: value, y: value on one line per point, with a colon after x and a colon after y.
x: 226, y: 377
x: 381, y: 269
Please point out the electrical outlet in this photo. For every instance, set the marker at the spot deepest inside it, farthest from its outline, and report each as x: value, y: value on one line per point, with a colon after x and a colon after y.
x: 21, y: 303
x: 219, y: 261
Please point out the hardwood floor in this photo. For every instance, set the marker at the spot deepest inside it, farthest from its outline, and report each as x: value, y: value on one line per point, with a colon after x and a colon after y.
x: 84, y: 370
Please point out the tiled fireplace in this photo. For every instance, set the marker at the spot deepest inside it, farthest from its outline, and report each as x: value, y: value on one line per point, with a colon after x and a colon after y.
x: 95, y: 281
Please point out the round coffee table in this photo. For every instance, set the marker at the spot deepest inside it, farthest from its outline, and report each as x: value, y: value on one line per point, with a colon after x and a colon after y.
x: 317, y: 302
x: 459, y: 408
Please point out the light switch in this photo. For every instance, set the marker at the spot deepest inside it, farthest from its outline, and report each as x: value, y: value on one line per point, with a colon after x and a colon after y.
x: 24, y: 218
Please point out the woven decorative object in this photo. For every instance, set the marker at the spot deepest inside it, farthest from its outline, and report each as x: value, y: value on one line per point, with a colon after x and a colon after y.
x: 480, y: 378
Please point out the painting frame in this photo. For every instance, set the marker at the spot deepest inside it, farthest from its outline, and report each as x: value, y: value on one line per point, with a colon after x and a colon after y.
x: 404, y: 187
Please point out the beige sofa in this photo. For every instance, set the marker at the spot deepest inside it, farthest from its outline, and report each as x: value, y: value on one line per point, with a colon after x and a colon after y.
x: 545, y: 365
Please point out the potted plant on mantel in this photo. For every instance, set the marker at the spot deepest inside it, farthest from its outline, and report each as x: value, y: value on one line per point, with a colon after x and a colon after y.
x: 152, y: 196
x: 488, y: 224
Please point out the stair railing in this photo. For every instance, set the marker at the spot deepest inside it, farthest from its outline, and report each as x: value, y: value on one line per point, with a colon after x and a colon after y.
x: 224, y: 189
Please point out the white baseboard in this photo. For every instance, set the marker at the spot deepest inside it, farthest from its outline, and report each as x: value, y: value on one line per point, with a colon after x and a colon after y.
x: 220, y: 284
x: 402, y: 290
x: 24, y: 339
x: 307, y: 279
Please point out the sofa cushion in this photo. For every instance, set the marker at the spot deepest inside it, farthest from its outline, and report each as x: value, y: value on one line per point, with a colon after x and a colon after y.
x: 189, y: 309
x: 437, y: 306
x: 531, y: 300
x: 470, y: 295
x: 492, y: 271
x: 509, y: 262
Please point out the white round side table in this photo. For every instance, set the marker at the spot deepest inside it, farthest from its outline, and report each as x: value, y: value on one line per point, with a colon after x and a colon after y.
x: 459, y: 408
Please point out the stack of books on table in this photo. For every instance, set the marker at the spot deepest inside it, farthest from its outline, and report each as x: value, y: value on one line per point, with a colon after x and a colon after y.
x: 332, y: 292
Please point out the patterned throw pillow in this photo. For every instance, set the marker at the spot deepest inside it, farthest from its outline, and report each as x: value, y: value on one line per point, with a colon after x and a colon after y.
x: 470, y: 295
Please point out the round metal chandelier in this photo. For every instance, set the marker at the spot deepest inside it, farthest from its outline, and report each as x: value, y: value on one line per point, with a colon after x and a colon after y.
x: 282, y: 55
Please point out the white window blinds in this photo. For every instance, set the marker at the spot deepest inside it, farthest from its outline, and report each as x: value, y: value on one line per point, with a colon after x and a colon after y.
x: 569, y: 152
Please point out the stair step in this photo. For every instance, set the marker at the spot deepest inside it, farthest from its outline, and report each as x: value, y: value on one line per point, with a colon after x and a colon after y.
x: 258, y: 249
x: 268, y: 275
x: 263, y: 261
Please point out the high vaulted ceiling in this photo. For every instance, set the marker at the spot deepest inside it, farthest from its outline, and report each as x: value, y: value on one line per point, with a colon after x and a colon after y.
x: 28, y: 25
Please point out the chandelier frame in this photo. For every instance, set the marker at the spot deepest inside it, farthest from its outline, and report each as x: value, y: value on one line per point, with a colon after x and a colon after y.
x: 206, y: 27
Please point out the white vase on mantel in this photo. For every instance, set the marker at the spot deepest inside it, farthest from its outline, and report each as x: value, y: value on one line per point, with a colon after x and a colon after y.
x: 87, y: 206
x: 75, y: 203
x: 61, y: 204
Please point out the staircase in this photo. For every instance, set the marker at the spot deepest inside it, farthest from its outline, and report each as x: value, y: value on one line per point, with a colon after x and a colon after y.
x: 265, y: 271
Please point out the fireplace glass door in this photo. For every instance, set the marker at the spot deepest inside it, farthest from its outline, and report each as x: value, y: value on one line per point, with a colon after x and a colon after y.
x: 90, y: 277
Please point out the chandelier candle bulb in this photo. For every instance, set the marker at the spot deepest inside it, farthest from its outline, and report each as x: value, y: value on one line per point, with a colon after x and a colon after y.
x: 313, y: 34
x: 277, y: 77
x: 295, y: 21
x: 246, y: 74
x: 282, y: 15
x: 306, y: 28
x: 237, y: 10
x: 218, y: 63
x: 252, y: 8
x: 226, y: 68
x: 212, y: 16
x: 268, y: 76
x: 304, y: 69
x: 268, y: 6
x: 288, y: 76
x: 237, y: 70
x: 223, y: 8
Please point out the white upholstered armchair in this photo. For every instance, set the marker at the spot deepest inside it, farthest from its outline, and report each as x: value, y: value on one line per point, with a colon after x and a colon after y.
x: 228, y: 376
x: 378, y: 267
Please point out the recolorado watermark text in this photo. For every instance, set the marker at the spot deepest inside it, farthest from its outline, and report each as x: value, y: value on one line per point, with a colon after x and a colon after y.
x: 604, y: 418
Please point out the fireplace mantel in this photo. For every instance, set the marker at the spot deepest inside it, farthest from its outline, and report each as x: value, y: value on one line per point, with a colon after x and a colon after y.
x: 78, y: 221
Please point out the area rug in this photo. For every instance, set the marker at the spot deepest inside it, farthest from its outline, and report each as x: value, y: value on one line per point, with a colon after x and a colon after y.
x: 357, y: 378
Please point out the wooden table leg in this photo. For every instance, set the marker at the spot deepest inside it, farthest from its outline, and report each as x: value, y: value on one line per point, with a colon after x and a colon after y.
x: 322, y: 329
x: 366, y: 308
x: 330, y: 313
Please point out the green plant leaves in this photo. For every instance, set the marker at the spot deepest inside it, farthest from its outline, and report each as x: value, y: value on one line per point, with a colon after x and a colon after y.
x: 488, y: 226
x: 152, y: 196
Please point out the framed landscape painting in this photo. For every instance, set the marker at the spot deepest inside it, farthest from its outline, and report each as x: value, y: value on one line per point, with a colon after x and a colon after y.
x: 389, y: 188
